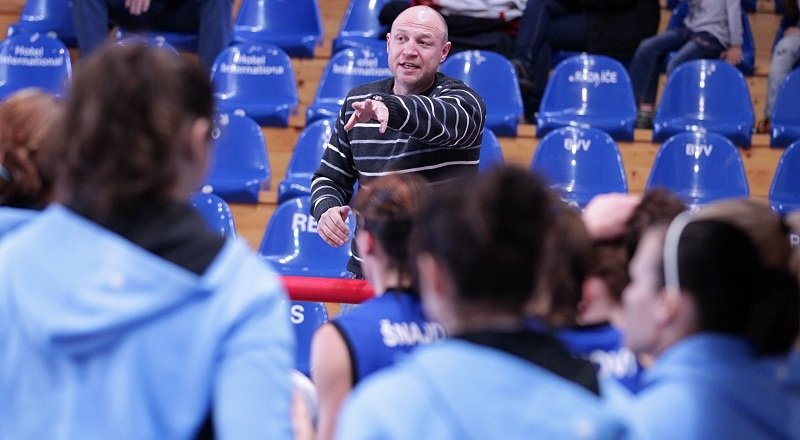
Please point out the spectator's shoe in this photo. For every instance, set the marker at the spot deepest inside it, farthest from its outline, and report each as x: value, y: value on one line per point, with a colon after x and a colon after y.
x: 523, y: 75
x: 763, y: 126
x: 644, y: 120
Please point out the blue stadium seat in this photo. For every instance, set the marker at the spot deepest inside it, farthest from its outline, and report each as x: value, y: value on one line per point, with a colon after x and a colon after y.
x: 306, y: 318
x: 360, y: 27
x: 580, y: 163
x: 589, y: 91
x: 295, y: 26
x: 305, y: 160
x: 495, y: 79
x: 785, y: 118
x: 216, y: 213
x: 256, y: 80
x: 784, y: 193
x: 34, y: 60
x: 710, y: 94
x: 293, y: 247
x: 748, y: 64
x: 45, y: 17
x: 491, y: 151
x: 700, y: 168
x: 240, y: 166
x: 183, y: 41
x: 345, y: 70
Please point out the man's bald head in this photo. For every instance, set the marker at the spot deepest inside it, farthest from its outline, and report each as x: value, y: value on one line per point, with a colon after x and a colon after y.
x: 423, y: 14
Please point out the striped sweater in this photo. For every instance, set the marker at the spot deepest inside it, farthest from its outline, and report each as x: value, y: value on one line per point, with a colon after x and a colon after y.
x: 437, y: 134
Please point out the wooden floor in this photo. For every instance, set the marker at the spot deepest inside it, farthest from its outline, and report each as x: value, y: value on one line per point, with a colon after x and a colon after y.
x: 251, y: 220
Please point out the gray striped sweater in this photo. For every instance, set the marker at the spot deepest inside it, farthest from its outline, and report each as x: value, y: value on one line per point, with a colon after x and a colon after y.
x: 436, y: 134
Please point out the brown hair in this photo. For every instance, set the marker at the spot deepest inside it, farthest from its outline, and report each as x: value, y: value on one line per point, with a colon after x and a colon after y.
x: 26, y: 117
x: 758, y: 221
x: 657, y: 206
x: 386, y: 208
x: 488, y: 233
x: 128, y: 117
x: 570, y: 260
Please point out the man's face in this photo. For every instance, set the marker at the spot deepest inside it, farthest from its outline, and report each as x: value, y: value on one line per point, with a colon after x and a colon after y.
x: 416, y: 47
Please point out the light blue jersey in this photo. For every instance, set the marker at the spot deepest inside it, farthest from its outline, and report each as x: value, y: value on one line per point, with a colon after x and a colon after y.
x: 103, y: 340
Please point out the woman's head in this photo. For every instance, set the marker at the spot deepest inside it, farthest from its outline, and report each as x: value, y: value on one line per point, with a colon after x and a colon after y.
x: 26, y: 118
x: 480, y: 242
x: 706, y: 276
x: 137, y: 126
x: 385, y: 213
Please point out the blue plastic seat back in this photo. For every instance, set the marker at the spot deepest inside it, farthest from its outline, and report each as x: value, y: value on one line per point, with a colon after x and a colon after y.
x: 700, y: 168
x: 240, y: 164
x: 345, y: 70
x: 494, y: 78
x: 256, y: 80
x: 47, y: 16
x: 291, y: 243
x: 709, y: 94
x: 305, y: 160
x: 360, y: 25
x: 306, y: 318
x: 183, y: 41
x: 589, y: 91
x: 293, y: 25
x: 580, y: 163
x: 748, y: 64
x: 216, y: 212
x: 785, y: 118
x: 491, y: 151
x: 784, y: 193
x: 34, y: 60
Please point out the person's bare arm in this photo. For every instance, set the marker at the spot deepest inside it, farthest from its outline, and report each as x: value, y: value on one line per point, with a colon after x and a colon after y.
x: 331, y: 372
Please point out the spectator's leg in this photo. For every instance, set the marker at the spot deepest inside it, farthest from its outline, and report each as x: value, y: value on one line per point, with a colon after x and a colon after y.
x: 700, y: 46
x: 564, y: 33
x: 645, y: 67
x: 531, y: 55
x: 91, y: 19
x: 784, y: 58
x: 215, y: 28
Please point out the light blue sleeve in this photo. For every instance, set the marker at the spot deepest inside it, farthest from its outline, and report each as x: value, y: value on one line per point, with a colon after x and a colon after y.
x: 252, y: 395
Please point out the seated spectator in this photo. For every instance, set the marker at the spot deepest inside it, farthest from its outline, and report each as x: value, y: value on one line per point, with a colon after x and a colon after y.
x: 25, y: 120
x: 123, y: 315
x: 785, y: 57
x: 605, y: 27
x: 696, y: 303
x: 373, y: 336
x: 209, y: 19
x: 529, y: 32
x: 472, y: 24
x: 478, y: 256
x: 712, y: 29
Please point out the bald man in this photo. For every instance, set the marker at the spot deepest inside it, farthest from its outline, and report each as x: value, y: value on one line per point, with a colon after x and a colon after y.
x: 417, y: 121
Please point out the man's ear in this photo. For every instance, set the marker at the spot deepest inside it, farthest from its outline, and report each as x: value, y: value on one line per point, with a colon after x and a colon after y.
x: 445, y: 51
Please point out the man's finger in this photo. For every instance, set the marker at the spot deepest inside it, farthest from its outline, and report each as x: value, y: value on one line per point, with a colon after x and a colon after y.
x: 351, y: 122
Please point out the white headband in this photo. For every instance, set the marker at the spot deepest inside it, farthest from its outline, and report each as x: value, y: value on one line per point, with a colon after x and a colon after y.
x: 671, y: 277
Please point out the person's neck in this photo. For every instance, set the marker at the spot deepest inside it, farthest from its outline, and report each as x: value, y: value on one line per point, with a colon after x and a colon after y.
x: 389, y: 279
x: 398, y: 89
x: 478, y: 319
